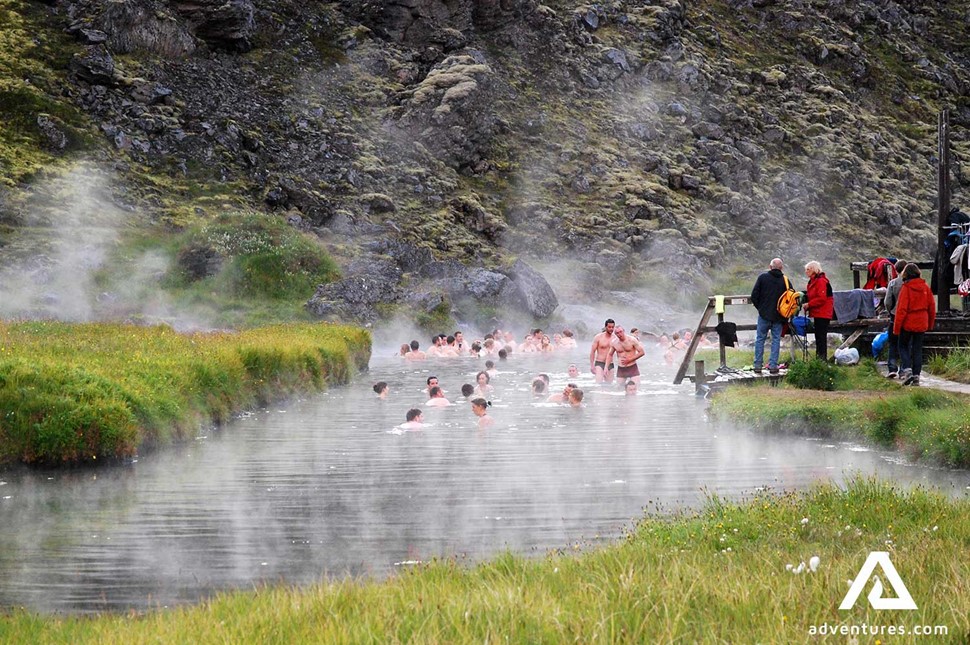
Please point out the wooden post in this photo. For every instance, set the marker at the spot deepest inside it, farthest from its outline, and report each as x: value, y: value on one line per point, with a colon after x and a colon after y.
x: 943, y: 210
x: 700, y: 376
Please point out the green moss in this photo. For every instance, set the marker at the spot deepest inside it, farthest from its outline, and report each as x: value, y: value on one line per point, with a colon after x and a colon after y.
x: 33, y: 62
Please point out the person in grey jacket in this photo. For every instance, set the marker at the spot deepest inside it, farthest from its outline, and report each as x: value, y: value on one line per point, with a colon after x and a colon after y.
x: 890, y: 302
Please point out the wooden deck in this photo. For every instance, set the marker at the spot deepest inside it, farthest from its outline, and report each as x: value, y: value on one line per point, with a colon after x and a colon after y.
x: 952, y: 329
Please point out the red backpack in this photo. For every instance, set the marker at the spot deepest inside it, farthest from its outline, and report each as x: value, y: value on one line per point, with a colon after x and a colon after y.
x: 877, y: 275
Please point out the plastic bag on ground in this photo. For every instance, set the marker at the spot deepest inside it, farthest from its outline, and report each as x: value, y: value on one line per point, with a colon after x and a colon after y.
x: 847, y: 356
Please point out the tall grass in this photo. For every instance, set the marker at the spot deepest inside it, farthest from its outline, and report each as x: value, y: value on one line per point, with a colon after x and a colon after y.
x: 718, y: 575
x: 924, y: 423
x: 74, y: 393
x: 954, y: 365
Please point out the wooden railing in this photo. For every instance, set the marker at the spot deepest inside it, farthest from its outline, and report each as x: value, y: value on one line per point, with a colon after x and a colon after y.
x: 704, y: 328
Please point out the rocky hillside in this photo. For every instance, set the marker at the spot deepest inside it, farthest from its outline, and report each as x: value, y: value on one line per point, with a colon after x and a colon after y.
x: 449, y: 150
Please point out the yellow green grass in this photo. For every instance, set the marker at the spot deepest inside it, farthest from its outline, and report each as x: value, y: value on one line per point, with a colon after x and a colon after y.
x: 954, y: 365
x: 924, y: 423
x: 717, y: 575
x: 75, y: 393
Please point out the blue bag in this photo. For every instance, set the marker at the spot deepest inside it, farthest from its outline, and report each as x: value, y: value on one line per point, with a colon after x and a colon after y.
x: 879, y: 342
x: 800, y: 323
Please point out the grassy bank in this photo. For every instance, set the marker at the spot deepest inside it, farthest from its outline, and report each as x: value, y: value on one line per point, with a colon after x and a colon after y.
x: 75, y: 393
x: 923, y: 423
x: 718, y: 575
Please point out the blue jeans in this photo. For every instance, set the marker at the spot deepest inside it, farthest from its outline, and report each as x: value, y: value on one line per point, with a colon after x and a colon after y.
x: 911, y: 351
x: 759, y: 343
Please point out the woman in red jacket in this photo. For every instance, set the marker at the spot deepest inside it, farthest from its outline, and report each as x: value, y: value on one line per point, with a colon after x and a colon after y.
x: 915, y: 315
x: 820, y: 305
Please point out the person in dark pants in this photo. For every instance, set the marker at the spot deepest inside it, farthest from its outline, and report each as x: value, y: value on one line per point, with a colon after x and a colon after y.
x: 890, y: 302
x: 820, y: 306
x: 915, y: 315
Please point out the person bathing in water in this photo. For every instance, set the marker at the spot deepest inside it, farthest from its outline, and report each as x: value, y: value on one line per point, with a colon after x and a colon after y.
x: 576, y: 398
x: 628, y: 351
x: 380, y: 389
x: 562, y: 397
x: 437, y: 399
x: 601, y: 368
x: 415, y: 420
x: 415, y: 354
x: 484, y: 389
x: 480, y: 409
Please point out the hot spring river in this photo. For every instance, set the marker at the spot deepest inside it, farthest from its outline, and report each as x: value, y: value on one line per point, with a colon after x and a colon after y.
x: 321, y: 487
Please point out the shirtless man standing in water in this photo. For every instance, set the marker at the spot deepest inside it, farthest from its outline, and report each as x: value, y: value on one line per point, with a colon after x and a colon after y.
x: 628, y: 351
x: 599, y: 353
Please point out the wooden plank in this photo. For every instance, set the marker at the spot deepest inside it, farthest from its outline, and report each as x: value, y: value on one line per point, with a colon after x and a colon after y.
x: 682, y: 370
x: 852, y: 338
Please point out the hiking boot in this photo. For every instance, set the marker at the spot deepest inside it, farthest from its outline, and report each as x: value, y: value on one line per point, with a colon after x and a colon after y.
x: 758, y: 371
x: 912, y: 379
x: 773, y: 370
x: 892, y: 374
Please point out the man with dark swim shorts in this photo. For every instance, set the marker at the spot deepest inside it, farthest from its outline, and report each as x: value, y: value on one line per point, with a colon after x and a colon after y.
x: 598, y: 354
x: 628, y: 351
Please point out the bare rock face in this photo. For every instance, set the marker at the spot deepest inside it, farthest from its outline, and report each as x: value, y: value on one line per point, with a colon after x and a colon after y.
x: 451, y: 110
x: 355, y: 298
x: 145, y: 25
x: 223, y: 23
x: 423, y: 22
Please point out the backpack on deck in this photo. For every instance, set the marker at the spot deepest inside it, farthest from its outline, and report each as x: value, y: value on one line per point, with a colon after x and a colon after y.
x: 788, y: 301
x: 879, y: 272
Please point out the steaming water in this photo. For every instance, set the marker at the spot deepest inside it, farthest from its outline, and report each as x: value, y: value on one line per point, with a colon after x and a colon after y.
x: 322, y: 487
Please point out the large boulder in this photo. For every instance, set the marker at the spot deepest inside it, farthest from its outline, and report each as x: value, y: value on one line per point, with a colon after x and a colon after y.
x: 483, y: 284
x: 531, y: 291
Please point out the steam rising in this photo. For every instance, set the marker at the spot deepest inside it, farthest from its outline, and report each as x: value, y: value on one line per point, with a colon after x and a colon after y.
x: 66, y: 260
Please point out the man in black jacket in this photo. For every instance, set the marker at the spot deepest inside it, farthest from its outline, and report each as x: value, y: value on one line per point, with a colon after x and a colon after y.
x: 767, y: 289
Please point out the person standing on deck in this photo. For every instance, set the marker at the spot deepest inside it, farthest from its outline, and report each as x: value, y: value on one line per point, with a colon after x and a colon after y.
x: 915, y: 315
x: 820, y: 306
x: 890, y: 302
x: 769, y: 286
